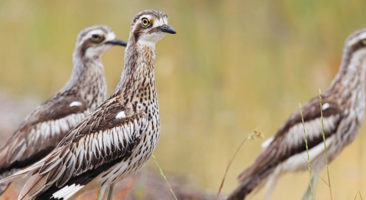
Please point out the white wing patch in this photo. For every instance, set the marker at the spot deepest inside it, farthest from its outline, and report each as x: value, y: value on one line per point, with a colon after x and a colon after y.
x: 325, y: 106
x: 75, y: 103
x: 266, y: 143
x: 67, y: 191
x: 295, y: 135
x: 300, y: 161
x: 121, y: 115
x: 99, y: 144
x: 43, y: 132
x: 55, y: 127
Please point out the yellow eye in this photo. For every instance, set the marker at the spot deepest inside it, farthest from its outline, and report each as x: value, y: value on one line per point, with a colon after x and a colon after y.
x: 145, y: 22
x: 96, y: 38
x: 364, y: 41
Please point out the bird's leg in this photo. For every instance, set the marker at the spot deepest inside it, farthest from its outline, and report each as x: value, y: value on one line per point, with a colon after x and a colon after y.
x: 310, y: 192
x: 110, y: 192
x: 101, y: 192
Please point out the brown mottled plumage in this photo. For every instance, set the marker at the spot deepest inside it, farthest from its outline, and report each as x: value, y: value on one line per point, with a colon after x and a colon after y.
x: 343, y: 107
x: 44, y: 128
x: 119, y: 136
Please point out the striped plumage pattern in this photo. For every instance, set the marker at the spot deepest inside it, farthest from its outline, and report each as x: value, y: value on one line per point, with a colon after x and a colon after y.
x: 118, y: 137
x: 44, y: 128
x: 343, y: 107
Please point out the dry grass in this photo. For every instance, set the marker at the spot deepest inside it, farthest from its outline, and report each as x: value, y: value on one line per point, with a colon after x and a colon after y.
x: 251, y: 136
x: 232, y: 66
x: 308, y: 156
x: 325, y: 147
x: 164, y: 176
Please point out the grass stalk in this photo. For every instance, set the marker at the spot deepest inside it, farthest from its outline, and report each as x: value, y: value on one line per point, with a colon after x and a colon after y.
x: 102, y: 192
x: 308, y: 155
x: 325, y: 144
x: 251, y: 136
x: 164, y: 177
x: 358, y: 194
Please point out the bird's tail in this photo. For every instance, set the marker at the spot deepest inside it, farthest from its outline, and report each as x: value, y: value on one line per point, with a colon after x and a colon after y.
x: 5, y: 174
x: 253, y: 177
x: 16, y: 174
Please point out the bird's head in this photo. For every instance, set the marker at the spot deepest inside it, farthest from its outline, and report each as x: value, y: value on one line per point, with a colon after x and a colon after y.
x: 93, y: 41
x: 149, y: 26
x: 356, y: 44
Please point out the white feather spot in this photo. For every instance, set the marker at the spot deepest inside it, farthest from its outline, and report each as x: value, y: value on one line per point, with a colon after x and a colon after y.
x: 121, y: 115
x: 266, y: 143
x: 75, y: 103
x: 325, y: 106
x: 110, y: 36
x: 67, y: 191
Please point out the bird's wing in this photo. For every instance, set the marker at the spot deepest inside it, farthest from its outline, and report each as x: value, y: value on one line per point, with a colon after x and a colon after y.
x: 60, y: 105
x: 42, y: 129
x: 104, y: 138
x: 289, y: 141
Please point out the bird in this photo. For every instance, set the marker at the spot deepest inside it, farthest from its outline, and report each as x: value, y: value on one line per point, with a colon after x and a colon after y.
x: 45, y: 126
x: 116, y: 139
x: 339, y: 110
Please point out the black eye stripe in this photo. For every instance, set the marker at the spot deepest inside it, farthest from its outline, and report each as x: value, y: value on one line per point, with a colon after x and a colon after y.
x: 154, y: 30
x: 360, y: 44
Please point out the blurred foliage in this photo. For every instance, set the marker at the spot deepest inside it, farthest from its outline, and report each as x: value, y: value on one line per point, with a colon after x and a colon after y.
x: 233, y: 66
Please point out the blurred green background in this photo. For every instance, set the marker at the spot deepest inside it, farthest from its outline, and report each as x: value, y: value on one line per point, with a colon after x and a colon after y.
x: 234, y: 66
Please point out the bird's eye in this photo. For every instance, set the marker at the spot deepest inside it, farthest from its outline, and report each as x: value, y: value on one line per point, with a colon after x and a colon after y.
x: 96, y: 38
x: 364, y: 41
x: 145, y: 22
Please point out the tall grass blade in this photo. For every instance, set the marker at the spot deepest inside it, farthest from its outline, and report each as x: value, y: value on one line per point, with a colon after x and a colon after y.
x: 358, y: 194
x: 325, y: 144
x: 251, y: 136
x: 164, y: 177
x: 308, y: 155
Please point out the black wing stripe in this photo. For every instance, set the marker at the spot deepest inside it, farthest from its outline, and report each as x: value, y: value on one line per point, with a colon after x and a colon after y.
x: 87, y: 176
x: 285, y: 147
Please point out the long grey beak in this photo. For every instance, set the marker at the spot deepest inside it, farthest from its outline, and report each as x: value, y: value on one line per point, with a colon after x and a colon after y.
x: 167, y: 29
x: 117, y: 42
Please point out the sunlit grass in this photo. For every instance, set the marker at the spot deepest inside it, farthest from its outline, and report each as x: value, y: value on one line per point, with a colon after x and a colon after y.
x: 251, y: 136
x: 308, y: 156
x: 325, y: 145
x: 162, y: 174
x: 232, y: 66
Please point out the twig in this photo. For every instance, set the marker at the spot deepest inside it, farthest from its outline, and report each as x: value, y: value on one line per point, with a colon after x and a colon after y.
x: 358, y: 194
x: 251, y: 136
x: 165, y: 178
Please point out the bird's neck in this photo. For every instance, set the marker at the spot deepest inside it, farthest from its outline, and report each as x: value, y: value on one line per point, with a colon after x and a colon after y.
x: 349, y: 84
x: 138, y: 74
x: 88, y: 79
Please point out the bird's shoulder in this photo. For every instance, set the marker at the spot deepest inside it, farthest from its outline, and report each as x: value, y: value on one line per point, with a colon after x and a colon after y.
x: 105, y: 137
x: 60, y: 105
x: 109, y: 115
x: 313, y: 110
x: 314, y: 118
